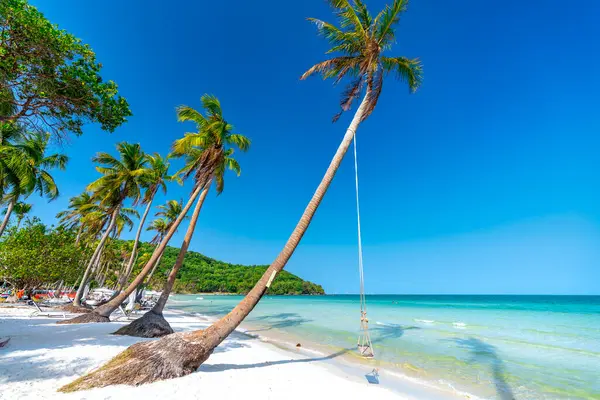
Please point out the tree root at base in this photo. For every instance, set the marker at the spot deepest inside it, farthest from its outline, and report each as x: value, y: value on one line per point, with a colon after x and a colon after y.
x: 85, y: 318
x: 150, y: 325
x: 75, y: 309
x: 145, y: 362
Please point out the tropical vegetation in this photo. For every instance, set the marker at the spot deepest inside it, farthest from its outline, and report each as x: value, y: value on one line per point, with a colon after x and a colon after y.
x: 49, y: 80
x: 38, y: 256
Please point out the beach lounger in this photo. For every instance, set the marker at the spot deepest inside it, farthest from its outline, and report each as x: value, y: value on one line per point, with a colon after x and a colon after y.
x: 125, y: 314
x: 39, y: 312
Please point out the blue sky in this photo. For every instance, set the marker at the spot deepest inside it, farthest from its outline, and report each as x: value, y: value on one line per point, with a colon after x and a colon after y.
x: 485, y: 181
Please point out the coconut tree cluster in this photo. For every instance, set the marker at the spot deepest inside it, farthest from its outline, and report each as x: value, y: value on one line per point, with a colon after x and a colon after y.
x: 130, y: 179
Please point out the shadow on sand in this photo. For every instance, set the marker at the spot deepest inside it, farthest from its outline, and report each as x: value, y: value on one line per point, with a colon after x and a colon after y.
x: 486, y: 354
x: 278, y: 321
x: 381, y: 333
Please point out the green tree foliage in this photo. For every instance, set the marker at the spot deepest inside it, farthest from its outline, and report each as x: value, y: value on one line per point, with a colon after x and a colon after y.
x: 201, y: 274
x: 35, y: 255
x: 49, y: 79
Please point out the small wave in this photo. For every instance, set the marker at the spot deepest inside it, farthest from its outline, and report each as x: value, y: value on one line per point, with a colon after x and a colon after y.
x: 199, y: 298
x: 459, y: 325
x: 387, y: 324
x: 424, y: 321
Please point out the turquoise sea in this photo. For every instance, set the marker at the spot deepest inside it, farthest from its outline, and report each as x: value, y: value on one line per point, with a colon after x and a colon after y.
x: 498, y: 347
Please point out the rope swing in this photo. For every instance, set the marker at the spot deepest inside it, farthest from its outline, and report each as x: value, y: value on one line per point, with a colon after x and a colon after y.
x: 365, y: 347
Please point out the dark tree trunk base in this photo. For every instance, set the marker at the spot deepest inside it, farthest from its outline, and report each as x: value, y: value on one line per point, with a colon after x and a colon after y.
x: 150, y: 325
x: 85, y: 318
x: 75, y: 309
x: 172, y: 356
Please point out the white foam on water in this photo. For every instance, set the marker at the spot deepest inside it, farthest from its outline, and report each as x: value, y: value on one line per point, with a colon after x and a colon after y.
x: 425, y: 321
x: 388, y: 324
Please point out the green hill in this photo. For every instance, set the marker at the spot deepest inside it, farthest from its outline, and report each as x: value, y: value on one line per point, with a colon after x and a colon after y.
x: 201, y: 274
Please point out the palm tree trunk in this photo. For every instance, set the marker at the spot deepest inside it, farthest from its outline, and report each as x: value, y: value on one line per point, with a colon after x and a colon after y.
x: 153, y: 324
x: 102, y: 313
x: 182, y: 353
x: 79, y: 231
x: 154, y: 268
x: 160, y: 304
x: 88, y: 270
x: 136, y: 243
x: 9, y: 209
x: 19, y: 219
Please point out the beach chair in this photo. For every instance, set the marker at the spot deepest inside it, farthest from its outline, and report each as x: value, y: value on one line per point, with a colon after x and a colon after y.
x: 124, y: 314
x: 39, y: 312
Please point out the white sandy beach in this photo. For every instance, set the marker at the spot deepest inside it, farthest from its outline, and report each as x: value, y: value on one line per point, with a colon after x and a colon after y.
x: 42, y: 356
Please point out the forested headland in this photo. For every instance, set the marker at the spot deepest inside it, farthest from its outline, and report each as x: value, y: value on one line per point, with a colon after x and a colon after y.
x: 36, y: 256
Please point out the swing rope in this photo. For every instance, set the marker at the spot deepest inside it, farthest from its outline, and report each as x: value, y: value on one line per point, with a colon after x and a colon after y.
x: 365, y: 346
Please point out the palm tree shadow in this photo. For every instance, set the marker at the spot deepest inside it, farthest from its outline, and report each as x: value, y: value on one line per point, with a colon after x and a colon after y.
x: 225, y: 367
x: 279, y: 321
x: 381, y: 333
x: 486, y: 354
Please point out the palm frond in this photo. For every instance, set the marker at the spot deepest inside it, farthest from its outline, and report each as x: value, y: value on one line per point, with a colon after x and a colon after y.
x: 384, y: 22
x: 406, y: 69
x: 185, y: 113
x: 241, y: 141
x: 212, y: 105
x: 327, y: 67
x: 348, y: 16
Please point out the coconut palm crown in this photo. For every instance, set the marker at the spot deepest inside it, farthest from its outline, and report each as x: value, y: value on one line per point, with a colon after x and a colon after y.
x: 121, y: 177
x: 359, y: 44
x: 210, y: 148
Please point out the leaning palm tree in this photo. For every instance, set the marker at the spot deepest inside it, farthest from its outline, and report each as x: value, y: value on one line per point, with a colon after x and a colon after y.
x: 153, y: 323
x: 120, y: 180
x: 21, y: 210
x: 361, y: 40
x: 155, y: 179
x: 168, y: 214
x: 205, y: 152
x: 29, y: 163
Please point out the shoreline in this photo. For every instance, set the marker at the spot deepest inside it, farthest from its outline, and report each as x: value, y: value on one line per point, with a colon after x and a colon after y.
x: 41, y: 356
x: 395, y: 377
x: 346, y: 362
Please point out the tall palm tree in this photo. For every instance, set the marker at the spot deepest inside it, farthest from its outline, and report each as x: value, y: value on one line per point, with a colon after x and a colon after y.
x: 79, y: 207
x: 156, y: 178
x: 21, y: 209
x: 29, y: 166
x: 121, y: 179
x: 362, y: 40
x: 205, y: 151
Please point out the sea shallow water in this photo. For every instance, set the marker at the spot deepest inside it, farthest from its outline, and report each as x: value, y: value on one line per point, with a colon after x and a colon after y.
x: 498, y: 347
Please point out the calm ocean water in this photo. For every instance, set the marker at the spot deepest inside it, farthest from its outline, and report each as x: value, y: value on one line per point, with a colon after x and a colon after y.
x: 503, y: 347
